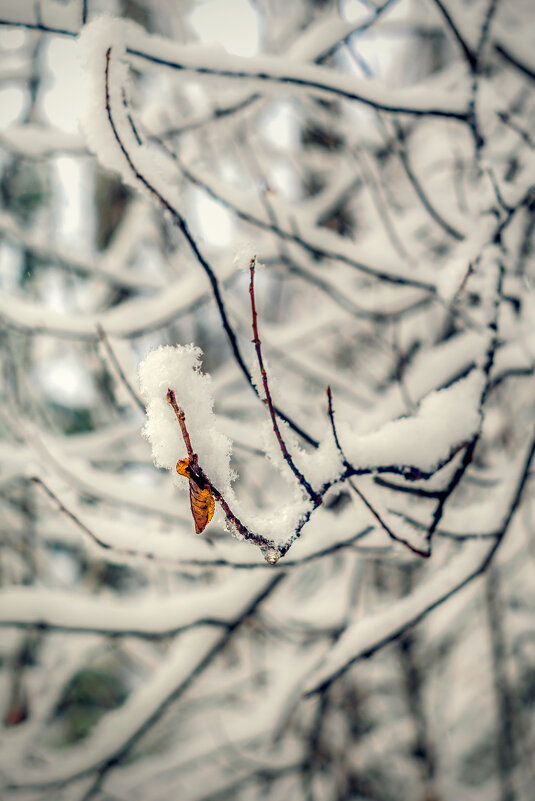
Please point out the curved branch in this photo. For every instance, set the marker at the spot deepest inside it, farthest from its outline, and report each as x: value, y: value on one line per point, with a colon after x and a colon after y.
x: 308, y: 77
x: 180, y: 221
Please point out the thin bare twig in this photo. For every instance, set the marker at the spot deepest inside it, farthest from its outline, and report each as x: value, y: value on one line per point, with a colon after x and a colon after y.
x: 357, y: 491
x: 505, y: 117
x: 116, y: 364
x: 471, y: 446
x: 434, y: 213
x: 459, y: 38
x: 313, y: 495
x: 380, y: 203
x: 514, y: 60
x: 472, y: 106
x: 181, y: 417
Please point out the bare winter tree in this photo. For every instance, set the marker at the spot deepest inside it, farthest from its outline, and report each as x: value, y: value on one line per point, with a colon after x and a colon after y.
x: 266, y: 492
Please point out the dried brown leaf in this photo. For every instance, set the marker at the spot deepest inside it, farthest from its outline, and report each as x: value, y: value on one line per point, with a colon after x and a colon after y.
x: 200, y: 497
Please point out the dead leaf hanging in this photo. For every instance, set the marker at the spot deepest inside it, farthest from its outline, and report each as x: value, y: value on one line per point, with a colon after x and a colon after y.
x: 200, y: 496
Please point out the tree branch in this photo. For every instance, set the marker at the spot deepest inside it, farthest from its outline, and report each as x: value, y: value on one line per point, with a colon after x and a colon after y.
x: 313, y: 495
x: 183, y: 226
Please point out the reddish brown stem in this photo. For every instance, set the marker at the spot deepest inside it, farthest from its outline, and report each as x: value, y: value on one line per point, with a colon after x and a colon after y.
x: 316, y: 498
x: 198, y: 474
x: 181, y: 417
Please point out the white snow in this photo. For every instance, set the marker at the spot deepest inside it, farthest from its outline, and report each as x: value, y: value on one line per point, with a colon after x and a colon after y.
x: 154, y: 615
x: 444, y: 420
x: 179, y: 369
x: 105, y: 117
x: 95, y: 40
x: 384, y: 624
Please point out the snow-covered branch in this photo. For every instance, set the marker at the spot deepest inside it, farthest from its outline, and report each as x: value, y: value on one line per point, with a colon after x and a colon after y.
x: 268, y: 375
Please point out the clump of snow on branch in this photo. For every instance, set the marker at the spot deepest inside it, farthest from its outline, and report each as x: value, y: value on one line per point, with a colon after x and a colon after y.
x: 106, y: 120
x: 455, y: 272
x: 445, y: 420
x: 178, y: 368
x: 278, y: 523
x: 244, y: 253
x: 95, y: 39
x: 320, y: 466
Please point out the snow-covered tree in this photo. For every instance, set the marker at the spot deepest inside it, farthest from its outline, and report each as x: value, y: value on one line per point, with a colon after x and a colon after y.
x: 268, y: 351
